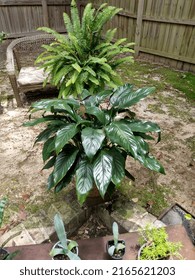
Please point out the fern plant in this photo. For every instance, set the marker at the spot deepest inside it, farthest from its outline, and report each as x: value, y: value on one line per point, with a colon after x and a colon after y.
x: 83, y: 59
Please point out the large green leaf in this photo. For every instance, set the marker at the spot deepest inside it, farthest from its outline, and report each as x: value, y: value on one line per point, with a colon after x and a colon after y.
x: 102, y: 171
x: 151, y: 163
x: 120, y: 133
x: 118, y: 166
x: 92, y: 140
x: 60, y: 230
x: 84, y: 180
x: 144, y: 126
x: 127, y: 97
x: 64, y: 135
x: 117, y: 93
x: 63, y: 163
x: 134, y: 97
x: 50, y: 163
x: 46, y: 133
x: 66, y: 180
x: 48, y: 148
x: 95, y: 111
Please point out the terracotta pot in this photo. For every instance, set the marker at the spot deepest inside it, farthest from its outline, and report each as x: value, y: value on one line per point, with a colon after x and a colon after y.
x: 75, y: 250
x: 121, y: 253
x: 94, y: 197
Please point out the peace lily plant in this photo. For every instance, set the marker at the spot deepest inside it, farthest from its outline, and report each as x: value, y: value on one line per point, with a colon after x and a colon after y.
x: 90, y: 139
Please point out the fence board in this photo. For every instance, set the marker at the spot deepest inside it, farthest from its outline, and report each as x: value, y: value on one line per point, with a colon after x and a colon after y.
x: 163, y: 29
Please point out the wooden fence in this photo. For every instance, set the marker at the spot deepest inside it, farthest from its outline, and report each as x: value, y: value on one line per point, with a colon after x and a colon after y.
x: 163, y: 30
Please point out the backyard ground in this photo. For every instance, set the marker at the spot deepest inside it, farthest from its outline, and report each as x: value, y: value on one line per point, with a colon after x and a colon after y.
x: 172, y: 107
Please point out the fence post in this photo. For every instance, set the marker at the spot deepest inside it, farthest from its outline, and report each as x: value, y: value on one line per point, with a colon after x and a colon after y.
x: 45, y: 13
x: 140, y: 10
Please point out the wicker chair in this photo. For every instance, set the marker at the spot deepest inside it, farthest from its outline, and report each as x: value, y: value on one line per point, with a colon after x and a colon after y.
x: 22, y: 73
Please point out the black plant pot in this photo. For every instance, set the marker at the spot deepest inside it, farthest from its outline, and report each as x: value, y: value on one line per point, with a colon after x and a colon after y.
x: 3, y: 254
x: 117, y: 255
x: 64, y: 257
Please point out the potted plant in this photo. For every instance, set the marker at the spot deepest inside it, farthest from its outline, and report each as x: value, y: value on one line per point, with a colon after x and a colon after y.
x: 64, y: 249
x: 115, y: 247
x: 154, y: 244
x: 4, y: 254
x: 90, y: 139
x: 86, y: 57
x: 2, y: 36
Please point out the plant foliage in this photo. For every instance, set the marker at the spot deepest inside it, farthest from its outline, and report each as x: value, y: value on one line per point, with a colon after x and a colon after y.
x: 3, y: 202
x: 2, y: 36
x: 91, y: 138
x: 156, y: 245
x: 117, y: 246
x: 65, y: 247
x: 84, y: 58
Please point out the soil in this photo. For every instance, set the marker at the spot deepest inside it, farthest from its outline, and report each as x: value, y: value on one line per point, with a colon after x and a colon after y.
x: 24, y: 182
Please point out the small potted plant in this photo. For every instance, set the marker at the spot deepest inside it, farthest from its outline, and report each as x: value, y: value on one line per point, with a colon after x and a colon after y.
x: 154, y: 244
x: 64, y: 249
x: 116, y: 247
x: 4, y: 254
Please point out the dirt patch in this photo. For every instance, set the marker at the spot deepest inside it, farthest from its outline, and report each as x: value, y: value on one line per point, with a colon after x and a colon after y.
x: 24, y: 182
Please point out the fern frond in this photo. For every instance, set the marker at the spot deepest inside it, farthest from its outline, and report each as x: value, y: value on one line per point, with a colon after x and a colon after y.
x: 67, y: 23
x: 75, y: 18
x: 75, y: 43
x: 90, y: 70
x: 87, y: 23
x: 110, y: 35
x: 120, y: 41
x: 104, y: 16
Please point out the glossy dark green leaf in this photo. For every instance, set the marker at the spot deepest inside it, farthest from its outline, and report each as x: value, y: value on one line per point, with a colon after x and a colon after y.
x: 120, y: 92
x: 102, y: 171
x: 102, y: 96
x: 63, y: 163
x: 143, y: 126
x: 66, y: 180
x: 84, y: 180
x: 134, y: 97
x: 50, y: 163
x: 97, y: 112
x: 39, y: 120
x: 118, y: 166
x: 48, y: 148
x: 92, y: 140
x: 151, y: 163
x: 64, y: 135
x: 143, y: 146
x: 120, y: 133
x: 128, y: 175
x: 51, y: 129
x: 127, y: 97
x: 50, y: 181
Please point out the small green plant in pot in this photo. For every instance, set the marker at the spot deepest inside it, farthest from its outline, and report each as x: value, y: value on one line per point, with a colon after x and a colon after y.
x: 85, y: 58
x: 4, y: 254
x: 115, y: 247
x: 2, y: 36
x: 65, y: 248
x: 90, y: 139
x: 154, y: 244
